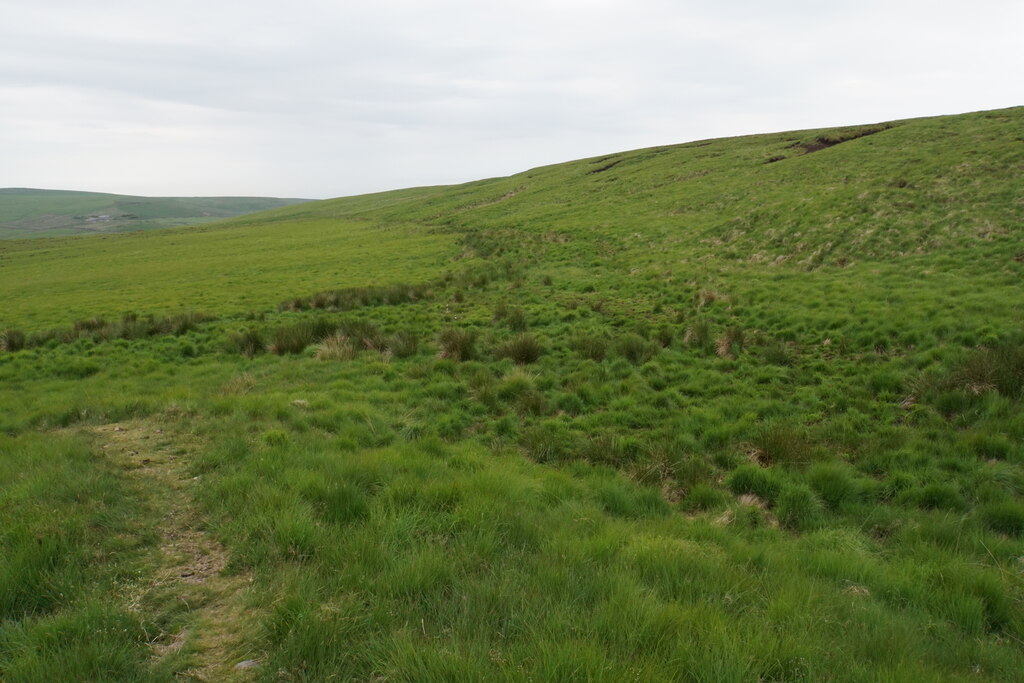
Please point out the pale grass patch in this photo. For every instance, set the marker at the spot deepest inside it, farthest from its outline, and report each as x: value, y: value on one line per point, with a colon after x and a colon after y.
x: 336, y: 347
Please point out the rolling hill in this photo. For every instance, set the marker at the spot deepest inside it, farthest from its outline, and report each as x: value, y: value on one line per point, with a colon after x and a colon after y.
x: 49, y: 213
x: 744, y: 409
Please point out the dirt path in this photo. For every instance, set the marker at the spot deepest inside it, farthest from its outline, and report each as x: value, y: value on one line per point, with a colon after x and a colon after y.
x: 191, y: 562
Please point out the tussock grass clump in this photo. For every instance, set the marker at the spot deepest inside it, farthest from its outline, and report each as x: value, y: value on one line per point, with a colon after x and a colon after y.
x: 1005, y: 517
x: 609, y: 449
x: 547, y: 442
x: 730, y: 344
x: 698, y: 334
x: 297, y: 337
x: 522, y: 350
x: 336, y: 347
x: 351, y: 298
x: 706, y: 297
x: 457, y: 344
x: 513, y: 316
x: 939, y: 496
x: 987, y: 446
x: 364, y: 334
x: 798, y: 508
x: 592, y: 346
x: 997, y: 368
x: 403, y: 344
x: 782, y: 444
x: 753, y: 479
x: 88, y: 325
x: 635, y: 348
x: 664, y: 336
x: 884, y: 382
x: 176, y: 324
x: 248, y: 342
x: 705, y: 498
x: 690, y: 469
x: 130, y: 326
x: 12, y: 340
x: 777, y: 353
x: 833, y: 484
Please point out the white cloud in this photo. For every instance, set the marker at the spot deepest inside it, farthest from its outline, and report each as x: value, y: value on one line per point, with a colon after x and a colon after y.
x: 320, y: 98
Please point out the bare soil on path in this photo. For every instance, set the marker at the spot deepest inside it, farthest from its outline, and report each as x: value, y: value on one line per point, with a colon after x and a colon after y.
x: 190, y: 563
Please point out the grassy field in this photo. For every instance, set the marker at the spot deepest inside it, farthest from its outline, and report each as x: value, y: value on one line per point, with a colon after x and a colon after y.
x: 735, y: 410
x: 54, y: 213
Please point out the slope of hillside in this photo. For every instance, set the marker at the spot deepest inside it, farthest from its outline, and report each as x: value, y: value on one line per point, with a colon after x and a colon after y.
x: 746, y: 409
x: 53, y: 213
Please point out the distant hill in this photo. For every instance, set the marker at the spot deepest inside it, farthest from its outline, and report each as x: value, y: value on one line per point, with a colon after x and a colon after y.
x: 26, y: 212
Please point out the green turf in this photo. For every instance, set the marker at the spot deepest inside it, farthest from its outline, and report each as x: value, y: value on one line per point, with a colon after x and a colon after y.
x: 745, y: 409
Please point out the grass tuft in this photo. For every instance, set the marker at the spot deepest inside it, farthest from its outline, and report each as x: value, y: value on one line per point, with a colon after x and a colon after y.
x: 403, y: 344
x: 698, y: 335
x: 782, y: 444
x: 592, y: 346
x: 336, y: 347
x: 753, y: 479
x: 248, y: 342
x: 1005, y: 517
x: 12, y: 340
x: 457, y: 344
x: 297, y: 337
x: 522, y: 350
x: 730, y: 344
x: 635, y: 348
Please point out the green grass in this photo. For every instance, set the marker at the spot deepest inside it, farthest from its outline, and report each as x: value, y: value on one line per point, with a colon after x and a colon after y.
x: 686, y: 413
x: 232, y: 270
x: 73, y: 534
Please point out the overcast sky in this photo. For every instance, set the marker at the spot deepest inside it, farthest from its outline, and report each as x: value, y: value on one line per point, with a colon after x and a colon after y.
x: 318, y: 98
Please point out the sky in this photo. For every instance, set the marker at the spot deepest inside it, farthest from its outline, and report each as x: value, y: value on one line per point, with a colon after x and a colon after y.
x: 319, y: 98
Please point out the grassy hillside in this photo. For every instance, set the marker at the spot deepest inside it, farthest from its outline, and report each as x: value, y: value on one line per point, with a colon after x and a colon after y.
x: 53, y: 213
x: 740, y: 409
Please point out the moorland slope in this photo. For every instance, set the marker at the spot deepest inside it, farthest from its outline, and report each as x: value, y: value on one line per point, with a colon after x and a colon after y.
x: 733, y: 410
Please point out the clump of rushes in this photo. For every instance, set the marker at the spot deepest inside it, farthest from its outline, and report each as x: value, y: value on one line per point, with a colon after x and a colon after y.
x: 248, y: 342
x: 516, y: 320
x: 635, y: 349
x: 781, y: 444
x: 777, y: 353
x: 12, y: 340
x: 730, y: 344
x: 295, y: 338
x: 665, y: 336
x: 522, y: 350
x: 999, y: 368
x: 706, y: 297
x: 698, y: 334
x: 513, y: 316
x: 358, y: 297
x: 456, y: 344
x: 364, y: 333
x: 336, y: 347
x: 591, y: 346
x: 403, y: 344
